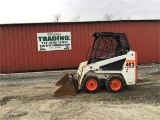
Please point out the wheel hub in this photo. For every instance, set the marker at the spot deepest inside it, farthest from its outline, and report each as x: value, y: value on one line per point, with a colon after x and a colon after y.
x: 115, y: 84
x: 91, y: 84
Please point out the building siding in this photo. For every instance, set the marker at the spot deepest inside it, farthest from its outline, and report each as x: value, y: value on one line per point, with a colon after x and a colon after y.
x: 19, y: 50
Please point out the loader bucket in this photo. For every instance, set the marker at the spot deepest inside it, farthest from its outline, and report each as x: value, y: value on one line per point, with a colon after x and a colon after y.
x: 66, y: 86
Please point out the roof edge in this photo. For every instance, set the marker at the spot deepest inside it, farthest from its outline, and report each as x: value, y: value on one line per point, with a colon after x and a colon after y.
x: 80, y: 22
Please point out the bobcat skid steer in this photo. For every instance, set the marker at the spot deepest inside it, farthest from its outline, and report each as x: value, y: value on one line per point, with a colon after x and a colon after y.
x: 111, y: 63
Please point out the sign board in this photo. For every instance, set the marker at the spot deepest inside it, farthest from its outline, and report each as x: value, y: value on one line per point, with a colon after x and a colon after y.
x: 54, y: 41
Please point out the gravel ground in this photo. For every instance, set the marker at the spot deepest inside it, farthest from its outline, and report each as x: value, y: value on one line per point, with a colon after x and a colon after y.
x: 29, y: 96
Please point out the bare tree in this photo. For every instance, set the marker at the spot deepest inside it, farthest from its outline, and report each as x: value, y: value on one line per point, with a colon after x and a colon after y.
x: 108, y: 17
x: 76, y: 19
x: 121, y: 18
x: 128, y: 18
x: 56, y: 17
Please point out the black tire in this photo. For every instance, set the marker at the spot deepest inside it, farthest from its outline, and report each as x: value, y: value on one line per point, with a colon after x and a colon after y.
x: 115, y: 83
x: 87, y: 84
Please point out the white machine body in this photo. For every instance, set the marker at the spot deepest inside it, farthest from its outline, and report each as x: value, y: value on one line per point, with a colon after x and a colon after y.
x: 129, y: 69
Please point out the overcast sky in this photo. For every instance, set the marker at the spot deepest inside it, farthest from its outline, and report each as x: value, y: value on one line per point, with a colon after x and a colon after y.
x: 29, y: 11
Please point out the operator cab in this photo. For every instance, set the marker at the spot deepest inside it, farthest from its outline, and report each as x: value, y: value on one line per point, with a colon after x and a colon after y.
x: 108, y: 45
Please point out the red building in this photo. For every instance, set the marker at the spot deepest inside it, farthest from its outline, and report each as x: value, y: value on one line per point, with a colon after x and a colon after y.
x: 19, y: 46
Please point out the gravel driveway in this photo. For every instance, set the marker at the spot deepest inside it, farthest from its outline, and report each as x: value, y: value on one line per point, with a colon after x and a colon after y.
x: 29, y: 96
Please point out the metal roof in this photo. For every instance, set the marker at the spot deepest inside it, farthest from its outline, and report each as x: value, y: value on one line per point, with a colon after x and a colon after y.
x: 79, y: 22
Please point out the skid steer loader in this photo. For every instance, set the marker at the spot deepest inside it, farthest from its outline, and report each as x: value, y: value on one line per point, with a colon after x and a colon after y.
x: 111, y: 63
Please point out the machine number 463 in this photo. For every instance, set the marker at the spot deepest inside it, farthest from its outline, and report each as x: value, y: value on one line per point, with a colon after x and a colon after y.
x: 128, y: 65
